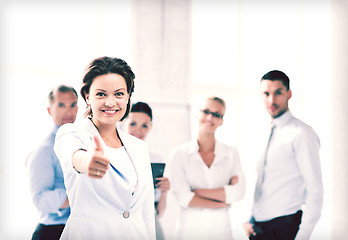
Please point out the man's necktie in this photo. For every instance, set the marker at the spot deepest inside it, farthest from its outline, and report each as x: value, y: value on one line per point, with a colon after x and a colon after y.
x: 261, y: 172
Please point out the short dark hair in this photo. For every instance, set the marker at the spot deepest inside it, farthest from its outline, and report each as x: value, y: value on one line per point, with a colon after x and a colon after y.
x: 276, y: 75
x: 142, y: 107
x: 102, y: 66
x: 60, y: 88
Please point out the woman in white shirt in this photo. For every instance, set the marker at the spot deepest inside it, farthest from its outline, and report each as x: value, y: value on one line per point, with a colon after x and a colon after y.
x: 139, y: 124
x: 107, y: 173
x: 206, y: 177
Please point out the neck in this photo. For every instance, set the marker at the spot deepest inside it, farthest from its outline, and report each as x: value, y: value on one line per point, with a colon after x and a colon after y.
x: 106, y: 131
x: 206, y: 142
x: 280, y: 114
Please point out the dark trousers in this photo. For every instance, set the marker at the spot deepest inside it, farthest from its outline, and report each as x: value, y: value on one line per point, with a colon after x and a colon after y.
x: 281, y: 228
x: 47, y: 232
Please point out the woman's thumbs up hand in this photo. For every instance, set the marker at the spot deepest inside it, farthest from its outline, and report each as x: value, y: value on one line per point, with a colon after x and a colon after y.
x: 98, y: 163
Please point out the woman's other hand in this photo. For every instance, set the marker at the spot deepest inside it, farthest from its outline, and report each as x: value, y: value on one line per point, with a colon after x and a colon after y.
x: 163, y: 184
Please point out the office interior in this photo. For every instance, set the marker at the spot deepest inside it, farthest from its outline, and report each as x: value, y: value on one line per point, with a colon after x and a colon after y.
x: 182, y: 51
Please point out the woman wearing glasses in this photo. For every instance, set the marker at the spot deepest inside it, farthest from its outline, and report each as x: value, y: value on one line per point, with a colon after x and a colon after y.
x: 206, y: 178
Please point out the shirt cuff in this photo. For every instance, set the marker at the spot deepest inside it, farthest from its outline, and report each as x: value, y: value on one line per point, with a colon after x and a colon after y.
x: 227, y: 195
x: 186, y: 199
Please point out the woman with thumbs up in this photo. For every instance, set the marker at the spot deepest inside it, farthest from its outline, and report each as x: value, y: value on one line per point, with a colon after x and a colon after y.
x: 107, y: 172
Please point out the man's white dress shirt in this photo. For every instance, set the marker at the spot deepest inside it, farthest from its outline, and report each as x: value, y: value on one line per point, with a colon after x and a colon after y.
x: 292, y: 175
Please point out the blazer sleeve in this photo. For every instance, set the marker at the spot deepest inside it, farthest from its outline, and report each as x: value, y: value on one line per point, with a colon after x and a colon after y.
x: 68, y: 140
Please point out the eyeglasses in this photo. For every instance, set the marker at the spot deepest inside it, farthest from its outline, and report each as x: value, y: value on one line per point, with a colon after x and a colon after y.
x: 214, y: 114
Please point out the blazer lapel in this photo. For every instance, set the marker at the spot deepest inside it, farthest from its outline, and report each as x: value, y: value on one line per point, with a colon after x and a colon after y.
x: 132, y: 153
x: 88, y: 124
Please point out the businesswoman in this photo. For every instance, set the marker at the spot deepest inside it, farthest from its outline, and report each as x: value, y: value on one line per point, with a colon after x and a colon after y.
x: 107, y: 172
x: 206, y: 178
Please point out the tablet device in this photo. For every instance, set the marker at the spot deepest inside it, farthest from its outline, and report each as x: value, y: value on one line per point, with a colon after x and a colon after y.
x: 157, y: 171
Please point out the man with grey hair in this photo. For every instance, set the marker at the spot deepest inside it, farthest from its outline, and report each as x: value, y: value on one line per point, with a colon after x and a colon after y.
x: 45, y: 173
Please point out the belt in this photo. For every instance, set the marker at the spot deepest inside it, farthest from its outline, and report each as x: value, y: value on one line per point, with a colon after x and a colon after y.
x: 280, y: 221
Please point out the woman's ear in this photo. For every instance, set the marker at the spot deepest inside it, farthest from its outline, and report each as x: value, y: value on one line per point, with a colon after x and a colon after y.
x: 87, y: 99
x: 221, y: 121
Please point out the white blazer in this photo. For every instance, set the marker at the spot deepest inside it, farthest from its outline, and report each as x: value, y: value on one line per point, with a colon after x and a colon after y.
x: 106, y: 208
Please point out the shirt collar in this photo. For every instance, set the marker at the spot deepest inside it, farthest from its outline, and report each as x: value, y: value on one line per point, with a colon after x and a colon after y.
x: 193, y: 146
x: 218, y: 149
x: 55, y: 129
x: 283, y: 119
x: 89, y: 125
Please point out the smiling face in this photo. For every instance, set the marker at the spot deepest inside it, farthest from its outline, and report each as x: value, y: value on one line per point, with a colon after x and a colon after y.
x: 108, y: 99
x: 207, y: 122
x: 138, y: 124
x: 275, y: 97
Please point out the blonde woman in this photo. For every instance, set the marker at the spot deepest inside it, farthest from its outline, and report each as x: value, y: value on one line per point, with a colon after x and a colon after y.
x: 206, y: 178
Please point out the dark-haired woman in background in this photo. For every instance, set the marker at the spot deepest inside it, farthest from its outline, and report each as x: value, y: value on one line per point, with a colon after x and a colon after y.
x: 107, y: 173
x: 139, y: 124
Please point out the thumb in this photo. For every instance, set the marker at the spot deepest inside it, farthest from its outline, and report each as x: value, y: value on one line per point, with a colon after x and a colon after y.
x: 98, y: 145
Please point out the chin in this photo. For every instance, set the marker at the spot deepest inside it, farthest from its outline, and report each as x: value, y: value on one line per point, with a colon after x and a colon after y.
x: 109, y: 120
x: 209, y: 130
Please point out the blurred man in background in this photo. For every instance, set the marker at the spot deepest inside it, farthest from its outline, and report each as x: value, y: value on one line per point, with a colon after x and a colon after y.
x: 45, y: 173
x: 289, y: 171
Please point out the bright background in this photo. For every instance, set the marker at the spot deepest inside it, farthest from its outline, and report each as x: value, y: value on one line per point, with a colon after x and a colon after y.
x: 233, y: 43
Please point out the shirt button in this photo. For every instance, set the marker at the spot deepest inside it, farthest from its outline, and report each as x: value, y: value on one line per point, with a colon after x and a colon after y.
x: 126, y: 214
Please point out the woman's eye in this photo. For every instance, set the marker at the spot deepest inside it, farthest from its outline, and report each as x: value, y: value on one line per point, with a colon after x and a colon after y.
x: 119, y: 94
x: 133, y: 124
x: 100, y: 94
x: 145, y: 126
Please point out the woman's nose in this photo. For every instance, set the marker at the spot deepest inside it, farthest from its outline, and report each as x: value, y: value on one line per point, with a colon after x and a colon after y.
x: 110, y: 102
x: 210, y: 116
x: 138, y: 130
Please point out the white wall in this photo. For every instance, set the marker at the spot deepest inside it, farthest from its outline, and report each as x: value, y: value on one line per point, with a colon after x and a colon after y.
x: 44, y: 43
x: 233, y: 44
x: 339, y: 117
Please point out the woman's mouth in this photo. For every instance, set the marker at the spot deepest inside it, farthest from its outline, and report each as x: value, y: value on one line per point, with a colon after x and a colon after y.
x: 110, y: 112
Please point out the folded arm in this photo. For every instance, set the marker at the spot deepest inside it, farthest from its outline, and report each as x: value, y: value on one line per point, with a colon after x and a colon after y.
x: 47, y: 195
